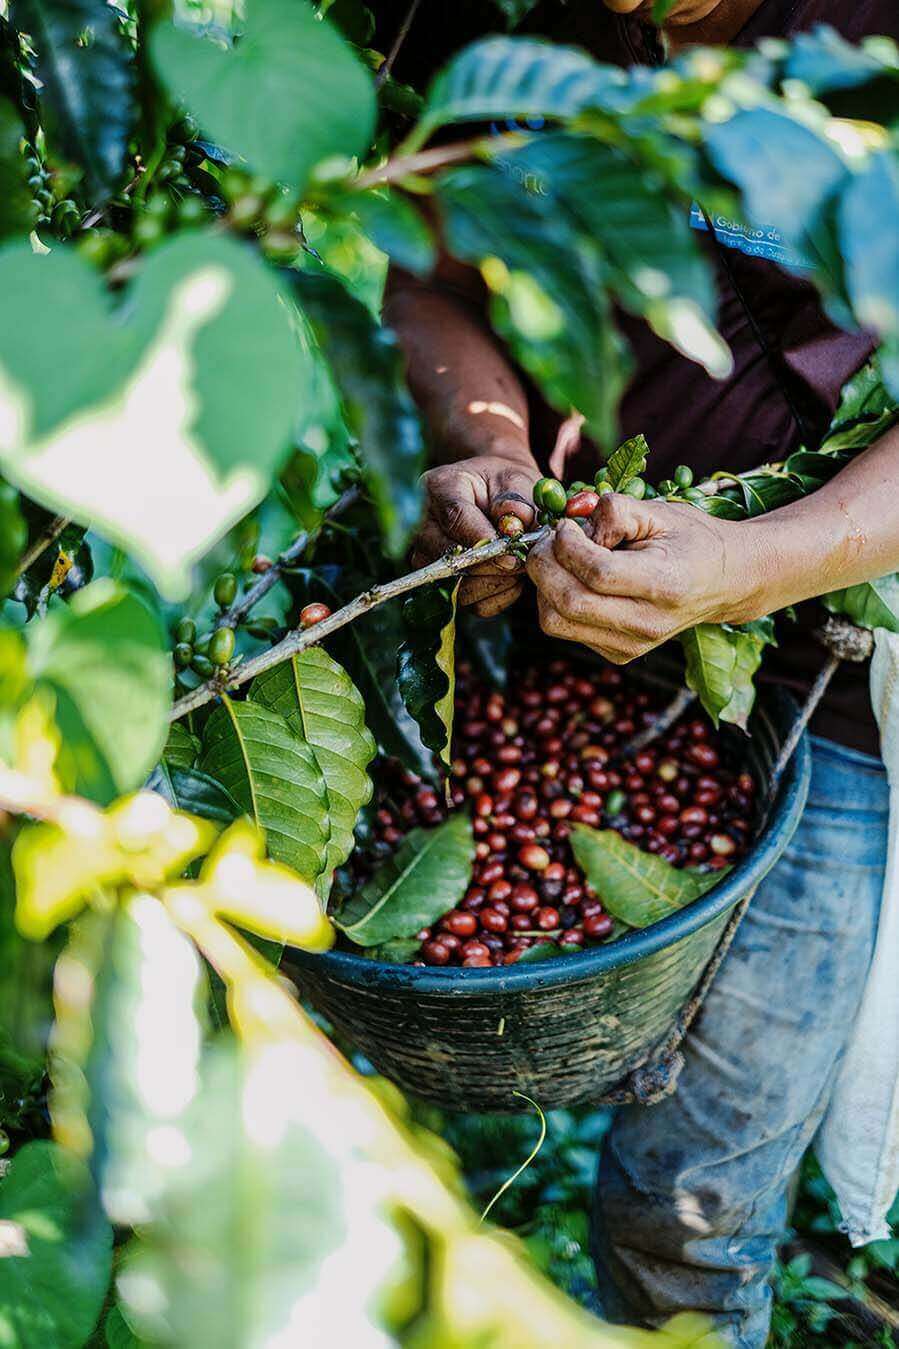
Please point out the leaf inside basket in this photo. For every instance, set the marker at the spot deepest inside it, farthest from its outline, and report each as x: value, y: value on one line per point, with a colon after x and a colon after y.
x: 427, y: 875
x: 636, y: 887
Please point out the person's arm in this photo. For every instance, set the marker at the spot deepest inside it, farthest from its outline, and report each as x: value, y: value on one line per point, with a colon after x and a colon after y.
x: 646, y: 570
x: 476, y: 408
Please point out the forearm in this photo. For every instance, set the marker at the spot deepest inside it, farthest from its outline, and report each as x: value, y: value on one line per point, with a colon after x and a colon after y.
x: 470, y: 395
x: 844, y: 533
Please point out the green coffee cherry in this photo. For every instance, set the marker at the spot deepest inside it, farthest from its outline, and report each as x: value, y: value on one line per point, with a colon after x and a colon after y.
x: 246, y: 211
x: 576, y: 487
x: 221, y: 646
x: 667, y: 488
x: 683, y: 475
x: 551, y: 495
x: 224, y: 592
x: 202, y: 666
x: 191, y: 211
x: 601, y: 476
x: 186, y: 631
x: 615, y: 802
x: 636, y: 488
x: 184, y: 654
x: 147, y: 231
x: 603, y: 487
x: 650, y: 494
x: 694, y: 495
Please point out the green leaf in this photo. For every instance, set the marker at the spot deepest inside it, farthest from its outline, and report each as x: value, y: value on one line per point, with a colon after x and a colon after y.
x: 871, y: 255
x: 162, y: 421
x: 17, y: 211
x: 54, y: 1274
x: 182, y: 747
x: 368, y: 370
x: 873, y: 604
x: 721, y: 662
x: 323, y: 708
x: 427, y: 875
x: 117, y: 1334
x: 26, y: 1007
x: 103, y: 658
x: 426, y: 664
x: 656, y: 267
x: 274, y: 777
x: 627, y: 462
x: 724, y: 508
x: 126, y: 1059
x: 515, y: 10
x: 84, y: 63
x: 245, y: 1228
x: 501, y: 78
x: 766, y: 491
x: 319, y: 100
x: 194, y: 792
x: 396, y: 227
x: 13, y: 537
x: 550, y: 290
x: 398, y: 952
x: 661, y: 9
x: 635, y: 887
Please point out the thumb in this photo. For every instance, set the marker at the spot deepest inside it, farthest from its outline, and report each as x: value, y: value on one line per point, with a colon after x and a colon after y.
x: 622, y: 519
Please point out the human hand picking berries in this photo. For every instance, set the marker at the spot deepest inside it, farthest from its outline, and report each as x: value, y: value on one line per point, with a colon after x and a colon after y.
x: 464, y: 503
x: 640, y: 572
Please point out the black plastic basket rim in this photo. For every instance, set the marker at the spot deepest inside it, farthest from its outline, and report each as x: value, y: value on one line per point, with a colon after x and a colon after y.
x: 635, y: 946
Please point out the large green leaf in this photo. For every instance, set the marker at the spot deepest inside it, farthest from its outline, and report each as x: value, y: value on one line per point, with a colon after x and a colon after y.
x: 85, y: 66
x: 656, y: 267
x: 871, y: 256
x: 17, y: 212
x: 182, y: 747
x: 396, y: 227
x: 873, y: 604
x: 368, y: 370
x: 54, y: 1274
x: 245, y: 1228
x: 161, y: 421
x: 194, y: 792
x: 502, y: 78
x: 318, y: 99
x: 427, y: 875
x: 721, y: 663
x: 426, y: 664
x: 627, y: 462
x: 636, y: 887
x: 323, y: 707
x: 273, y: 775
x: 550, y: 289
x: 126, y: 1059
x: 103, y: 658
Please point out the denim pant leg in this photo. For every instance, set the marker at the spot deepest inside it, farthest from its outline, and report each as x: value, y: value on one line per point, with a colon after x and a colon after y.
x: 691, y: 1199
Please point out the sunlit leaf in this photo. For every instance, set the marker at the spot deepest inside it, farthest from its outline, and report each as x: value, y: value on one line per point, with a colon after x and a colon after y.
x: 396, y: 227
x: 162, y: 421
x: 54, y: 1272
x: 322, y: 705
x: 85, y: 66
x: 426, y: 665
x: 274, y: 777
x: 873, y: 604
x: 721, y: 663
x: 425, y: 877
x: 627, y: 462
x: 636, y: 887
x: 319, y: 100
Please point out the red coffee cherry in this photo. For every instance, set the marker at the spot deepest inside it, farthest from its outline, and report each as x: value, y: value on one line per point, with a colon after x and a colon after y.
x: 312, y: 614
x: 510, y: 526
x: 581, y: 505
x: 534, y: 857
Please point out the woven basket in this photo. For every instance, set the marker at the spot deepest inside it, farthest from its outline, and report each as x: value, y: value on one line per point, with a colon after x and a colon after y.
x: 566, y: 1031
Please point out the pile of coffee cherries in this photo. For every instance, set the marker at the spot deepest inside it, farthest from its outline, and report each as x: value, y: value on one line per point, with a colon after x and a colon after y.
x: 532, y: 761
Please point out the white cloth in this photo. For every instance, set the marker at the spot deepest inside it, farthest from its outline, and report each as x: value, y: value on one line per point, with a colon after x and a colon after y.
x: 858, y: 1142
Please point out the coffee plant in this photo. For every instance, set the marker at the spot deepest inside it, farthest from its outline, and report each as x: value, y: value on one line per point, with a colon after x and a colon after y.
x: 210, y: 468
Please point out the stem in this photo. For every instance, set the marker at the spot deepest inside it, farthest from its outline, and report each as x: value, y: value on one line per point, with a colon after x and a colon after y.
x: 453, y: 564
x: 426, y: 161
x: 663, y: 722
x: 289, y: 558
x: 43, y: 541
x: 387, y: 66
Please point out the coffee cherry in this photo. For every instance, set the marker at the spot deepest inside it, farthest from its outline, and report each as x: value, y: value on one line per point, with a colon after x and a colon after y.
x: 184, y: 654
x: 683, y: 476
x: 598, y: 925
x: 460, y: 924
x: 261, y: 564
x: 202, y: 666
x: 186, y: 631
x: 221, y: 646
x: 510, y: 526
x: 722, y: 845
x: 224, y: 592
x: 550, y: 495
x: 493, y: 921
x: 311, y: 614
x: 534, y: 857
x: 615, y: 803
x: 436, y: 952
x: 582, y: 505
x: 475, y: 949
x: 636, y: 488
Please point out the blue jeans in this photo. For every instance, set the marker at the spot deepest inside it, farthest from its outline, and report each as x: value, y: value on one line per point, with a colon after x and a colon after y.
x: 692, y: 1194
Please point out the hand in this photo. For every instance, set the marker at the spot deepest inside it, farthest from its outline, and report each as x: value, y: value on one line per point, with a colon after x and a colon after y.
x: 462, y: 503
x: 678, y: 567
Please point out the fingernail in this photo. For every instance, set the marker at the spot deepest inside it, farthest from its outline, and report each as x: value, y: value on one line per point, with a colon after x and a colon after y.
x: 508, y: 562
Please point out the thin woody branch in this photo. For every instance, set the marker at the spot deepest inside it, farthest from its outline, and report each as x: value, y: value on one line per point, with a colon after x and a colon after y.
x: 453, y: 564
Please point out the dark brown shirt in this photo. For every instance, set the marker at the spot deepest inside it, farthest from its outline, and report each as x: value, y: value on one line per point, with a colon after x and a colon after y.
x: 790, y: 362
